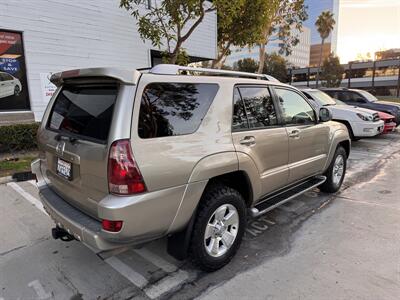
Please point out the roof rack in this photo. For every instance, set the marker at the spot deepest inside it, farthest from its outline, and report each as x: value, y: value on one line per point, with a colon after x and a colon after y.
x: 167, y: 69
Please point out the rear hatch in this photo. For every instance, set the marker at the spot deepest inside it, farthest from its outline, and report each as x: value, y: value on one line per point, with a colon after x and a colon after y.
x: 76, y: 134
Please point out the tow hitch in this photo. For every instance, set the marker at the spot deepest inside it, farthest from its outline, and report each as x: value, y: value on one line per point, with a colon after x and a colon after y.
x: 62, y: 234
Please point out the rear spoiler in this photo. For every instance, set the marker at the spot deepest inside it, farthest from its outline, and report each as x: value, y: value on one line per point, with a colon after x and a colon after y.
x: 124, y: 76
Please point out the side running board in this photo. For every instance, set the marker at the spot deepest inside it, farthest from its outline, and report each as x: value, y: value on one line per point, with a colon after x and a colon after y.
x: 286, y: 195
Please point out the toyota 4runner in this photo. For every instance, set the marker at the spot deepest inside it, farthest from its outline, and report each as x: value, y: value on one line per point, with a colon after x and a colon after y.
x: 131, y: 156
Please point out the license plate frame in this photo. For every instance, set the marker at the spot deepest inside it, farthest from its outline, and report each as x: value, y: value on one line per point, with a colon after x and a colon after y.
x: 64, y: 169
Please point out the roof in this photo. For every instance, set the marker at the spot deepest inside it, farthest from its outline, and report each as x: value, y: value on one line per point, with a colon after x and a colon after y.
x: 132, y: 76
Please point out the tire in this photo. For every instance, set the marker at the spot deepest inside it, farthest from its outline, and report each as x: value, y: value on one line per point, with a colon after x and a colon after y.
x: 333, y: 183
x: 217, y: 198
x: 17, y: 90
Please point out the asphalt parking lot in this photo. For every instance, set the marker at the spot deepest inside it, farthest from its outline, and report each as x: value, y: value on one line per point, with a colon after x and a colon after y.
x: 343, y: 246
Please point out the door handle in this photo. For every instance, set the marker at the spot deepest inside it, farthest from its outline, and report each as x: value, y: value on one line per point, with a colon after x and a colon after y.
x: 295, y: 133
x: 248, y: 141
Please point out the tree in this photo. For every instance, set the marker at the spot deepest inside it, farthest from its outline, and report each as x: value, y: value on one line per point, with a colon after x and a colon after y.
x: 240, y: 24
x: 332, y: 71
x: 276, y: 66
x: 325, y: 24
x: 282, y: 18
x: 168, y: 21
x: 246, y: 65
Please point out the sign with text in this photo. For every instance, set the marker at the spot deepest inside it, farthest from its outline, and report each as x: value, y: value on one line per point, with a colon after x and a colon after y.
x: 13, y: 82
x: 48, y: 88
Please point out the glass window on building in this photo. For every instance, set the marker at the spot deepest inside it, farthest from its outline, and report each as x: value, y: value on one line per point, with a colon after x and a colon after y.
x: 387, y: 71
x: 362, y: 73
x: 14, y: 86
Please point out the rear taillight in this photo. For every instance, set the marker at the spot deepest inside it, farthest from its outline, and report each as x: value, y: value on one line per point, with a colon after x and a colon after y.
x: 124, y: 177
x: 112, y: 226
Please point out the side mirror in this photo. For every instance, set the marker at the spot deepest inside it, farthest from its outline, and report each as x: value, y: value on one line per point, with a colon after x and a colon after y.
x: 325, y: 114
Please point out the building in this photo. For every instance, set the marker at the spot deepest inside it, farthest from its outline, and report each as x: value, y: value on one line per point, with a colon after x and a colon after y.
x: 314, y: 9
x: 388, y: 54
x: 300, y: 56
x: 381, y: 77
x: 41, y: 37
x: 362, y: 27
x: 315, y: 52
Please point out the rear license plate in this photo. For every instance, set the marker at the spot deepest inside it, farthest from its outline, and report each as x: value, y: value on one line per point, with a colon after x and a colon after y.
x: 64, y: 169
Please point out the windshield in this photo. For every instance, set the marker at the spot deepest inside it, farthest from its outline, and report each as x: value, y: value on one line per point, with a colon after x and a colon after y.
x: 368, y: 96
x: 322, y: 98
x: 338, y: 102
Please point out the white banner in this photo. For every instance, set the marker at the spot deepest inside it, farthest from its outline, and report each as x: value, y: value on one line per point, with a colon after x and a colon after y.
x: 48, y: 88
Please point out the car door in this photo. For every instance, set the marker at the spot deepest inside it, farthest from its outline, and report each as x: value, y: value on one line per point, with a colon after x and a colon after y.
x: 258, y: 132
x: 10, y: 84
x: 308, y: 139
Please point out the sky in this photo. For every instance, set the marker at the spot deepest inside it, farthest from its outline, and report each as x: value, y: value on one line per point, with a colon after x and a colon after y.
x: 367, y: 26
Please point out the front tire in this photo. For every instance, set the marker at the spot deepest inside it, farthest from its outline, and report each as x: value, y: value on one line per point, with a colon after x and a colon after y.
x: 17, y: 90
x: 218, y: 228
x: 336, y: 171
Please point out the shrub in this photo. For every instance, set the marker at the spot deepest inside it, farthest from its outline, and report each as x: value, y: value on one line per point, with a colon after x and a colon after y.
x: 18, y: 137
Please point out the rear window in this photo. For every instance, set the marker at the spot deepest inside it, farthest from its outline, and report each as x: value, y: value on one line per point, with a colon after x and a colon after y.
x: 169, y: 109
x: 84, y: 111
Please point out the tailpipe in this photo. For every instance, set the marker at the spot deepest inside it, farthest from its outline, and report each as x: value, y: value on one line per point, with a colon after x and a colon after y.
x: 62, y: 234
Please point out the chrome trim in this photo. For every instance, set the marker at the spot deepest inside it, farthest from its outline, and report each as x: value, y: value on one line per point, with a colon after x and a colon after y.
x: 167, y: 69
x: 254, y: 212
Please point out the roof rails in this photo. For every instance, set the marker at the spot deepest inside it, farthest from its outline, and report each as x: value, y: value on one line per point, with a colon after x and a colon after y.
x: 167, y: 69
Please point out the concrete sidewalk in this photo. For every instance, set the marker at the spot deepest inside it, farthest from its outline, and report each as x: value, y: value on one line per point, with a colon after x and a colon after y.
x: 350, y: 250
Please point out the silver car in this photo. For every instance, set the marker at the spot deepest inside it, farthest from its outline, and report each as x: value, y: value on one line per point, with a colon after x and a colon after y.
x: 128, y: 157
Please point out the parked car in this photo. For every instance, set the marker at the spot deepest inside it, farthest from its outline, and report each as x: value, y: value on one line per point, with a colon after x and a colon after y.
x: 360, y: 122
x: 390, y: 125
x: 9, y: 85
x: 128, y: 157
x: 361, y: 98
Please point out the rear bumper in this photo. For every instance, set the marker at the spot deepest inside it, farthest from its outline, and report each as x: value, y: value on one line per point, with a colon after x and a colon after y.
x: 367, y: 129
x: 146, y: 216
x: 84, y: 228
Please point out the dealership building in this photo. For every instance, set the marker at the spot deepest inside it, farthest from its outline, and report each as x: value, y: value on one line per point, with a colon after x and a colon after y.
x: 38, y: 38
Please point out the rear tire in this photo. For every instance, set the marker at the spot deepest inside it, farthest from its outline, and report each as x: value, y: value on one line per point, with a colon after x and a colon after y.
x: 219, y: 227
x: 336, y: 171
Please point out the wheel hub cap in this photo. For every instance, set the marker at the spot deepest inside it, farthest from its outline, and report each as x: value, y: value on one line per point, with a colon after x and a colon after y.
x: 338, y: 169
x: 221, y: 230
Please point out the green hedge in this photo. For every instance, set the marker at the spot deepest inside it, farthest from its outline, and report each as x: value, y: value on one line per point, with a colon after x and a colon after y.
x: 18, y: 137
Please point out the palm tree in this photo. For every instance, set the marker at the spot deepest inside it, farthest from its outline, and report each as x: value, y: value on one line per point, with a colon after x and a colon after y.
x: 324, y: 23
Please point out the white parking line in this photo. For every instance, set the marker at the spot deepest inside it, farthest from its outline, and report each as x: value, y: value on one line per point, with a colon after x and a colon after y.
x: 27, y: 196
x: 166, y: 284
x: 126, y: 271
x: 33, y: 182
x: 156, y: 260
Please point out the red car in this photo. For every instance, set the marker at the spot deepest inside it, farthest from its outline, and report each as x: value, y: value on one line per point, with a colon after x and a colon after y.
x: 390, y: 125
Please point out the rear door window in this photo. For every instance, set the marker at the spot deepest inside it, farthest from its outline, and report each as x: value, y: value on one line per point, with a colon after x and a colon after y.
x: 84, y: 111
x: 239, y: 121
x: 170, y: 109
x: 259, y: 106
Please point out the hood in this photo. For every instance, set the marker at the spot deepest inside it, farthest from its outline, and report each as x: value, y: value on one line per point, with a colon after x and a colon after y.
x: 354, y: 109
x: 384, y: 116
x: 389, y: 103
x: 387, y: 106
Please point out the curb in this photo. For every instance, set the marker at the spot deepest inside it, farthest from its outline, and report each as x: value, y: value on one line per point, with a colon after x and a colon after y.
x: 6, y: 179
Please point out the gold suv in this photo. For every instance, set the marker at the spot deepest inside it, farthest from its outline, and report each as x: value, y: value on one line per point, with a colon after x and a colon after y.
x: 132, y: 156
